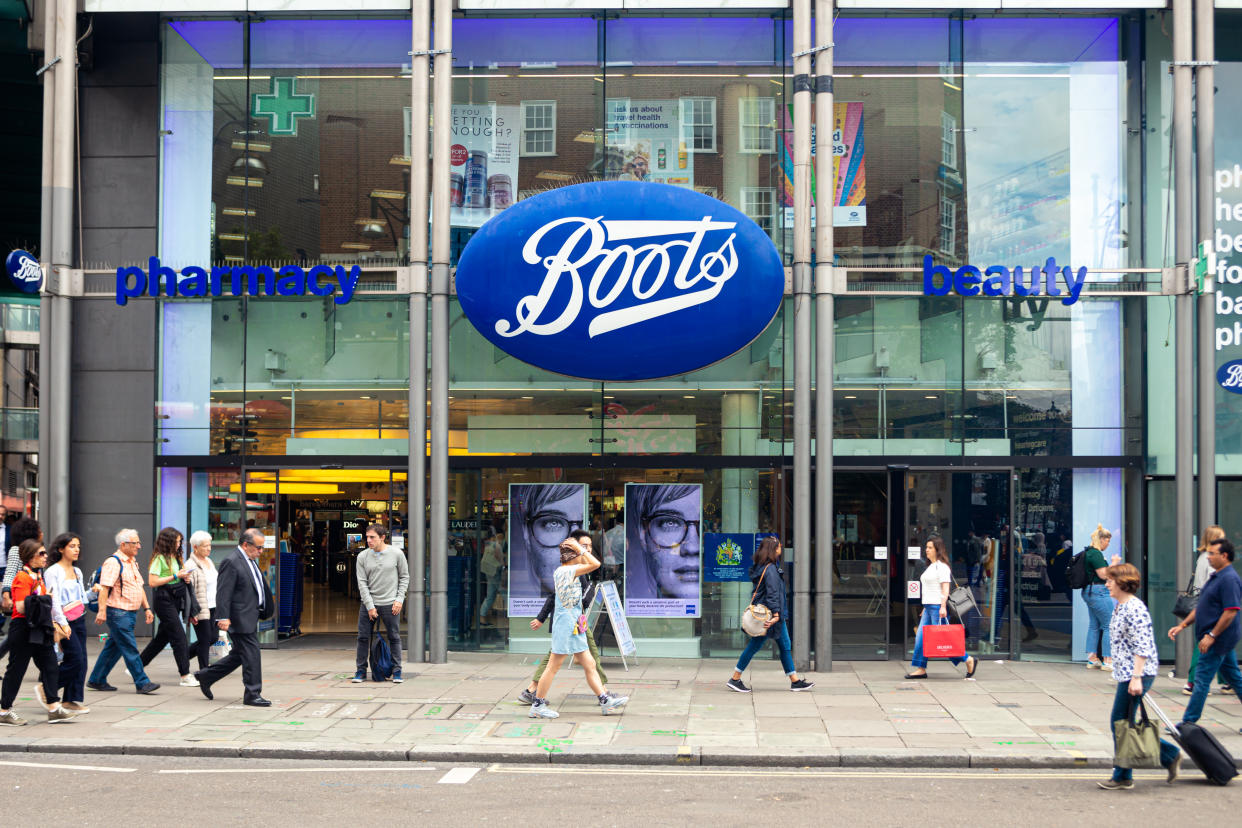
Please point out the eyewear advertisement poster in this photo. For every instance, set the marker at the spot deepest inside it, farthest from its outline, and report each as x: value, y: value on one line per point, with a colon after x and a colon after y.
x: 848, y: 165
x: 541, y: 515
x: 663, y: 550
x: 646, y: 142
x: 484, y: 173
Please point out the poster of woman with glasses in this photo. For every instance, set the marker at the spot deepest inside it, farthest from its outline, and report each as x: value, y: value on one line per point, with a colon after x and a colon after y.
x: 541, y: 515
x: 663, y: 553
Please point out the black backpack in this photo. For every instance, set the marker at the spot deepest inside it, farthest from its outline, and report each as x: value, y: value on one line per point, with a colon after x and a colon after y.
x: 1077, y: 575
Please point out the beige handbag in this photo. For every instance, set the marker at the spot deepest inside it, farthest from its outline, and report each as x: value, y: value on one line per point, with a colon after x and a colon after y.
x: 756, y: 615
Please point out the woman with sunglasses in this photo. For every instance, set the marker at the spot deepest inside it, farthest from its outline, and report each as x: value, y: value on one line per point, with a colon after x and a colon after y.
x: 32, y: 638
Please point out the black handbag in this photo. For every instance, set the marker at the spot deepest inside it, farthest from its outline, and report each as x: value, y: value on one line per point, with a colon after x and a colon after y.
x: 1186, y: 601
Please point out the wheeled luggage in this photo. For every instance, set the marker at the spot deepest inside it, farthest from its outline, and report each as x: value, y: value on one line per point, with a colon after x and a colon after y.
x: 1201, y: 746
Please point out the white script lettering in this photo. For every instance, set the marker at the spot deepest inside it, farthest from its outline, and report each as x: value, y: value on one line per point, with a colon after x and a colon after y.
x: 609, y: 271
x: 1233, y: 379
x: 29, y: 271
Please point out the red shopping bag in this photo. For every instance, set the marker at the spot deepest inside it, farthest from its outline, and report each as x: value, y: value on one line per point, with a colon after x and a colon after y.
x: 944, y: 641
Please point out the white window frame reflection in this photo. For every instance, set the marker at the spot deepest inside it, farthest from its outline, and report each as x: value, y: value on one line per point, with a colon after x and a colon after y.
x: 691, y: 123
x: 948, y: 139
x: 756, y: 118
x: 541, y: 109
x: 759, y: 204
x: 948, y: 224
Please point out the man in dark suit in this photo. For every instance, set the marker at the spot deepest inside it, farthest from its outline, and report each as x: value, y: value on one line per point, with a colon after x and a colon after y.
x: 242, y: 598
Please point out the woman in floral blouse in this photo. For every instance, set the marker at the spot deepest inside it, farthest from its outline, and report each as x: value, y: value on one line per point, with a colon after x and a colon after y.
x: 1135, y: 664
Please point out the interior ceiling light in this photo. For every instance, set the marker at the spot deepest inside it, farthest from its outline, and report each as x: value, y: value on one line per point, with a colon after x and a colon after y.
x: 243, y: 181
x: 238, y: 211
x: 253, y: 163
x: 370, y: 228
x: 253, y: 146
x: 392, y: 194
x: 553, y: 175
x: 355, y: 246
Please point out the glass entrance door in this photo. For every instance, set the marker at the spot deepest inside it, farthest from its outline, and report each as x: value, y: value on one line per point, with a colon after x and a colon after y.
x: 972, y: 512
x: 861, y: 566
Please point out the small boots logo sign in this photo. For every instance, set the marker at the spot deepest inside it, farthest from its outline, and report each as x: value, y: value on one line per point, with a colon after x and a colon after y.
x: 24, y: 271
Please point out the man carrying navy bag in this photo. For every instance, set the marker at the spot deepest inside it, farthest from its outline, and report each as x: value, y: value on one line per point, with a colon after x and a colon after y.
x: 383, y: 579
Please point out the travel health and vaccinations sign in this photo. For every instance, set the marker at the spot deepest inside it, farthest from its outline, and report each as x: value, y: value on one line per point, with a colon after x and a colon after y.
x: 24, y: 271
x: 620, y: 280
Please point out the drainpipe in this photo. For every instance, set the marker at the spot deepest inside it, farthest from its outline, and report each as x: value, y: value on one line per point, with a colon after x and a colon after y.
x: 442, y: 113
x: 1183, y: 234
x: 825, y: 339
x: 1205, y: 125
x: 416, y: 480
x: 802, y: 85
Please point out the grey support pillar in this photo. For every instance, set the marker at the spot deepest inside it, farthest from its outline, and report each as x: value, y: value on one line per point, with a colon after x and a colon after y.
x: 45, y: 256
x: 442, y: 113
x: 416, y: 480
x: 802, y: 334
x: 1183, y: 244
x: 825, y: 337
x: 1205, y: 136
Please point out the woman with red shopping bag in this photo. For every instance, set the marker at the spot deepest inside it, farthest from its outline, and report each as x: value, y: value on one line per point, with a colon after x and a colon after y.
x: 936, y: 582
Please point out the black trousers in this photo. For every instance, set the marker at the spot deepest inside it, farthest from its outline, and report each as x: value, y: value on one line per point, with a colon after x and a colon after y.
x: 246, y: 655
x: 207, y: 634
x: 171, y: 630
x: 21, y: 653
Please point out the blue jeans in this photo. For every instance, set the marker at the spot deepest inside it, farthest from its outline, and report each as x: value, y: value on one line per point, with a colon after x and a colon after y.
x: 493, y: 589
x: 121, y: 644
x: 1121, y: 707
x: 782, y: 643
x: 1099, y: 613
x: 1216, y: 659
x: 931, y: 616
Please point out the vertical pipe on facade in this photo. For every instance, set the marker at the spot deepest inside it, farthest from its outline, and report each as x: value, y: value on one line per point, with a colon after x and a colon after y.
x: 57, y: 498
x: 825, y: 315
x: 442, y: 109
x: 45, y: 252
x: 416, y: 481
x: 1183, y: 243
x: 1205, y: 137
x: 802, y: 83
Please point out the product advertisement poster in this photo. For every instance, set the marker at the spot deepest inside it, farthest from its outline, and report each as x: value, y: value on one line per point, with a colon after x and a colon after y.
x: 645, y: 142
x: 663, y: 550
x: 484, y: 157
x: 541, y: 515
x: 848, y: 165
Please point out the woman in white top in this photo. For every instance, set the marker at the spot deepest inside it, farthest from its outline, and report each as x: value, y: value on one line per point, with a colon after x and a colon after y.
x: 936, y: 582
x: 64, y: 583
x: 203, y: 580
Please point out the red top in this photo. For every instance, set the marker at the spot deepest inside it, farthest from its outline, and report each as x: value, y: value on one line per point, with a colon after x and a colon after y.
x: 26, y: 583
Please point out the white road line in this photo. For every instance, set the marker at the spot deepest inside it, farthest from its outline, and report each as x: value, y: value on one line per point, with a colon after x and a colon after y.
x: 99, y: 768
x: 393, y: 768
x: 971, y: 774
x: 458, y: 776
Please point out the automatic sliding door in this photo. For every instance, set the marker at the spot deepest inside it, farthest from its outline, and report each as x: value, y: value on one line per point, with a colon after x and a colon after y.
x: 860, y: 605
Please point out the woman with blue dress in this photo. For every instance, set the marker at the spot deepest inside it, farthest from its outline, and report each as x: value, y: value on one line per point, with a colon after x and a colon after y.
x: 569, y: 631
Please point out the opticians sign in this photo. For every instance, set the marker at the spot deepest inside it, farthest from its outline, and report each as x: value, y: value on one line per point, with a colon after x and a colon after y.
x: 620, y: 280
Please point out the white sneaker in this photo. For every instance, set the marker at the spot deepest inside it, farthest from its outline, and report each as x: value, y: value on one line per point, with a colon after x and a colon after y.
x: 60, y: 714
x: 542, y: 711
x: 613, y: 701
x: 8, y: 717
x: 189, y: 681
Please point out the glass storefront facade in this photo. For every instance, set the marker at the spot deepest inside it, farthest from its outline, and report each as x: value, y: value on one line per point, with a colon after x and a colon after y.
x: 1010, y: 425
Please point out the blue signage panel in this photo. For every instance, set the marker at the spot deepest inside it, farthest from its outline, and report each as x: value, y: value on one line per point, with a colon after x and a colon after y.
x: 620, y: 280
x: 727, y: 556
x: 1229, y: 376
x: 24, y: 271
x: 239, y: 280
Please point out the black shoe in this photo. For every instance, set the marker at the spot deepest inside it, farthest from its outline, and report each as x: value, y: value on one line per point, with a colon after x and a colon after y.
x: 916, y: 675
x: 257, y: 701
x: 800, y: 685
x: 736, y: 684
x: 102, y: 686
x: 148, y: 688
x: 204, y: 685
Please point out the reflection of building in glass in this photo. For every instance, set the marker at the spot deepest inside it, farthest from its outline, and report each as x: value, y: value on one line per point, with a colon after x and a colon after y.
x: 1022, y: 216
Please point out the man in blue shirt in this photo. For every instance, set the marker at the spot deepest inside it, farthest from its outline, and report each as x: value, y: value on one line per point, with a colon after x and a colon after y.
x: 1217, y: 628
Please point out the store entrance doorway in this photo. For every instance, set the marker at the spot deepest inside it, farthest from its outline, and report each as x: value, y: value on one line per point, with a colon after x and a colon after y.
x: 315, y: 521
x: 883, y: 520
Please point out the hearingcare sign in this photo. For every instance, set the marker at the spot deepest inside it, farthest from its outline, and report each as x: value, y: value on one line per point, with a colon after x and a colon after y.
x: 240, y: 280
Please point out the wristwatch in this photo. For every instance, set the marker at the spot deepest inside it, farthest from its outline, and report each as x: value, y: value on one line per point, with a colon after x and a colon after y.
x: 1209, y: 632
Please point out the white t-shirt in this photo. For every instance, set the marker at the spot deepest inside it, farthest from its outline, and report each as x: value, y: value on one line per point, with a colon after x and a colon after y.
x: 932, y: 577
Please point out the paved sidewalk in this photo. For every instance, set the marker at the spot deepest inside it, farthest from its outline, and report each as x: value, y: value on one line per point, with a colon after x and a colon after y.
x: 1014, y: 714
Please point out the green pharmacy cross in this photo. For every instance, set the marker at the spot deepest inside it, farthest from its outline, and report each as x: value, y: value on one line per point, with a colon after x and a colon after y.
x: 283, y: 105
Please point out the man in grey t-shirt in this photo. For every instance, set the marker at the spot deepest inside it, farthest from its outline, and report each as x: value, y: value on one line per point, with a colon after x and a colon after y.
x: 383, y: 578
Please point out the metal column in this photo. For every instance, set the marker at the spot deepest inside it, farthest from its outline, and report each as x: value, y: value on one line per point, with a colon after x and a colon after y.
x: 1205, y: 137
x: 416, y: 480
x: 802, y: 85
x: 45, y: 257
x: 825, y: 338
x: 1183, y: 182
x: 442, y: 109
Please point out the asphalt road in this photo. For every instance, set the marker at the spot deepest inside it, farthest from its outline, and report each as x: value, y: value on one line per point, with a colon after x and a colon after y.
x: 46, y: 789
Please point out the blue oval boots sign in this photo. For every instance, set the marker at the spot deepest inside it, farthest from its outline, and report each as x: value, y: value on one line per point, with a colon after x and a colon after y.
x: 1229, y: 376
x: 620, y: 280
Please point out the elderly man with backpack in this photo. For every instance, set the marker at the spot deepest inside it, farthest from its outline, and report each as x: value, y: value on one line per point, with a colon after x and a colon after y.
x: 121, y: 596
